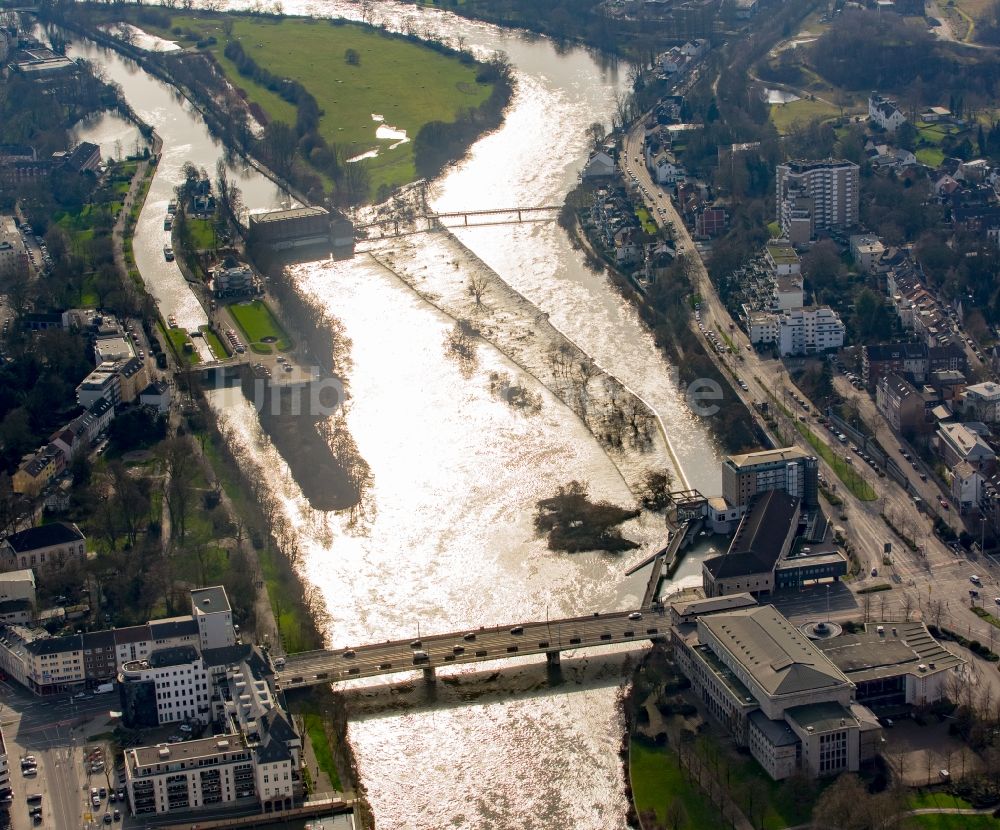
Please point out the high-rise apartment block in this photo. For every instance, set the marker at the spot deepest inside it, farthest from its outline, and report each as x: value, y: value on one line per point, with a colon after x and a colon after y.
x: 815, y: 196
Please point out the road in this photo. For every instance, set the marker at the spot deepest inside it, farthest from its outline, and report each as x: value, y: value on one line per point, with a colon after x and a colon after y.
x: 499, y: 642
x: 935, y: 568
x: 54, y: 731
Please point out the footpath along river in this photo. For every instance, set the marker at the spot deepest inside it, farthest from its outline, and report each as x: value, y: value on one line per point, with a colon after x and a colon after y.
x: 445, y: 540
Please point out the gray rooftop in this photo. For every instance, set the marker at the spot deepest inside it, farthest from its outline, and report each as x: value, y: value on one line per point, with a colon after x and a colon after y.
x: 777, y: 732
x: 869, y: 655
x: 822, y: 717
x: 209, y: 600
x: 773, y: 651
x: 148, y: 756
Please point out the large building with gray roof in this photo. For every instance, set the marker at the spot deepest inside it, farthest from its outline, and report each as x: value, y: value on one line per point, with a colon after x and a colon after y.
x: 775, y: 690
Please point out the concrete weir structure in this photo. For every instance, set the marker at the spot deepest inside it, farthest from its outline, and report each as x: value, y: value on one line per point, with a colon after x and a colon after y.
x: 300, y: 227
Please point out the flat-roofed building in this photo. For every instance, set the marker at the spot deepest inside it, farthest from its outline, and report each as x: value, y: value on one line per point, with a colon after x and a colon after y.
x: 254, y: 759
x: 894, y: 663
x: 170, y: 686
x: 815, y: 196
x: 745, y: 475
x: 982, y: 402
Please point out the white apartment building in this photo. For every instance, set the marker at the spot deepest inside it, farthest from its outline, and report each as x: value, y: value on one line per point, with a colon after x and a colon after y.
x: 762, y: 327
x: 867, y: 250
x: 810, y: 331
x: 981, y: 402
x: 173, y: 680
x: 814, y: 196
x: 255, y: 759
x: 214, y: 616
x: 781, y: 258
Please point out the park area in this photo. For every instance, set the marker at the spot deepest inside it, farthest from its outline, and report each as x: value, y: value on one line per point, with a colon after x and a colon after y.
x: 362, y: 79
x: 260, y: 327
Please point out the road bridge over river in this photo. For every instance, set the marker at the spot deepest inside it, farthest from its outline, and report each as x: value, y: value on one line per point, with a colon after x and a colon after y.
x: 549, y: 637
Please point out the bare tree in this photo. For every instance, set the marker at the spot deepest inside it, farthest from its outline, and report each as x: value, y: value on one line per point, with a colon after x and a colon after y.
x: 907, y: 604
x: 478, y: 286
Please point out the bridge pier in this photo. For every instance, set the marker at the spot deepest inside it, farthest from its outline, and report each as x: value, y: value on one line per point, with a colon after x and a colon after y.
x: 552, y: 657
x: 430, y: 675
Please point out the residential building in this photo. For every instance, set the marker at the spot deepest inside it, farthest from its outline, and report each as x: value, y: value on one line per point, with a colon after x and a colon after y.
x: 599, y: 165
x: 790, y: 469
x: 782, y: 259
x: 958, y: 443
x: 214, y: 616
x: 5, y: 787
x: 37, y: 470
x: 788, y: 292
x: 46, y: 545
x: 810, y: 331
x: 912, y: 360
x: 893, y: 664
x: 967, y: 485
x: 867, y: 250
x: 900, y: 403
x: 170, y: 686
x: 156, y: 395
x: 884, y: 113
x: 253, y: 759
x: 105, y: 653
x: 118, y: 381
x: 762, y: 327
x: 981, y: 402
x: 814, y: 196
x: 17, y: 597
x: 79, y: 434
x: 775, y: 691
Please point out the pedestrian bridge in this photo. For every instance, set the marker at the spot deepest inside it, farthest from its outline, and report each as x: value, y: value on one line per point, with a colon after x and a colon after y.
x: 549, y: 637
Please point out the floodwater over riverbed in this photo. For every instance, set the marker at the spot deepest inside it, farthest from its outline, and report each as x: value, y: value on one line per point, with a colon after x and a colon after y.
x: 445, y: 539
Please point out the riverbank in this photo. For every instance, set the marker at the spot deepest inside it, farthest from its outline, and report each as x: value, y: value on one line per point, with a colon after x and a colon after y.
x: 665, y: 309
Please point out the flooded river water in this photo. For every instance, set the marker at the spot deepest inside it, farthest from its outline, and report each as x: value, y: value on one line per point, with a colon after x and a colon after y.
x: 446, y: 539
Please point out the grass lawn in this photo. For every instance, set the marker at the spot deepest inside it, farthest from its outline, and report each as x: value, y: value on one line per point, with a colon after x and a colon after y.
x: 257, y: 323
x: 952, y: 821
x: 178, y: 338
x: 657, y: 780
x: 321, y: 746
x: 215, y: 343
x: 648, y: 225
x: 931, y: 156
x: 202, y: 233
x: 406, y: 83
x: 845, y: 472
x: 924, y: 799
x: 804, y: 111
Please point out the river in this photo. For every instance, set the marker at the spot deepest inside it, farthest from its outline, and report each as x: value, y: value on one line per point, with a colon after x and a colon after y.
x: 446, y: 539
